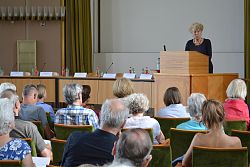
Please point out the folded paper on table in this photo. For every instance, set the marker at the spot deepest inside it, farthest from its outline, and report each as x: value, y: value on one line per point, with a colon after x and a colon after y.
x: 80, y: 75
x: 129, y: 75
x: 109, y: 75
x: 145, y: 76
x: 16, y: 74
x: 46, y: 74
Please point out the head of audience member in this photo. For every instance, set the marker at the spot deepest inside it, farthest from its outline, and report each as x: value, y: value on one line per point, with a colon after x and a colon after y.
x: 12, y: 96
x: 73, y: 94
x: 6, y: 116
x: 7, y: 85
x: 42, y: 93
x: 122, y: 87
x: 172, y: 96
x: 134, y: 145
x: 213, y: 114
x: 113, y: 115
x: 30, y: 94
x: 237, y: 89
x: 195, y: 102
x: 137, y: 103
x: 86, y: 89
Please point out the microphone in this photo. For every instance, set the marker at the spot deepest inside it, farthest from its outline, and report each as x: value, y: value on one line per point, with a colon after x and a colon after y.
x: 44, y: 64
x: 109, y: 67
x: 164, y: 48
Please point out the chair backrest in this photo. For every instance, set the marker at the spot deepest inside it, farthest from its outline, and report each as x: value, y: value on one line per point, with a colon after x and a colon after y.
x: 245, y: 139
x: 57, y: 149
x: 39, y: 127
x: 63, y: 131
x: 234, y: 124
x: 32, y: 145
x: 10, y: 163
x: 161, y: 156
x: 149, y: 130
x: 167, y: 123
x: 220, y: 157
x: 180, y: 141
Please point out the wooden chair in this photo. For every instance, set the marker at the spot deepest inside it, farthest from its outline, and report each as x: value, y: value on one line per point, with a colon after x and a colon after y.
x: 168, y: 123
x: 57, y: 149
x: 161, y: 156
x: 149, y: 130
x: 245, y: 139
x: 180, y: 141
x: 63, y: 131
x: 32, y: 145
x: 234, y: 124
x: 10, y: 163
x: 219, y: 157
x: 39, y: 127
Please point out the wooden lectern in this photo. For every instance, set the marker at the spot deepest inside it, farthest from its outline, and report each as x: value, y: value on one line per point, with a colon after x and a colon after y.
x: 183, y: 62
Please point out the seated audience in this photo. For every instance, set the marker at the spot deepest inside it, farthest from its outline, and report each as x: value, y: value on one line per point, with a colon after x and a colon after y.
x: 138, y: 104
x: 122, y: 87
x: 96, y: 148
x: 174, y: 108
x: 42, y: 95
x: 235, y: 106
x: 132, y: 149
x: 194, y: 102
x: 75, y: 114
x: 212, y: 116
x: 11, y: 148
x: 25, y: 129
x: 30, y: 112
x: 7, y: 85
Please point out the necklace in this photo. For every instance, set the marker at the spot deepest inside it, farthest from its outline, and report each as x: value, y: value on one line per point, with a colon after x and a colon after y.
x: 198, y: 41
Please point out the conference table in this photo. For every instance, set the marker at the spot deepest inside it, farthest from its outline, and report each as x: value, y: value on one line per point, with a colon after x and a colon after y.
x: 211, y: 85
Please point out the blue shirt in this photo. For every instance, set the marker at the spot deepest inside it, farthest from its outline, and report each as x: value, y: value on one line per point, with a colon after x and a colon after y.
x: 77, y: 115
x: 48, y: 109
x: 192, y: 125
x: 173, y: 111
x: 15, y: 149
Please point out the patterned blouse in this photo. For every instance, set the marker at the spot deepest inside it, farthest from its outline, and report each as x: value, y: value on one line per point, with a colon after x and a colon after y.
x: 15, y: 149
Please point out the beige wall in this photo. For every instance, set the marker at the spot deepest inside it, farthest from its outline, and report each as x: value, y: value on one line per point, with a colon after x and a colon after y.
x: 48, y: 38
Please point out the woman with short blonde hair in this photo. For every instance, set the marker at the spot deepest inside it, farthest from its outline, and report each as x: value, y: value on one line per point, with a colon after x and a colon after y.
x: 122, y: 87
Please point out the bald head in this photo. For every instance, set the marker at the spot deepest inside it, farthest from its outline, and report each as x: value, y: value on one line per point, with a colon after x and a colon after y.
x: 113, y: 113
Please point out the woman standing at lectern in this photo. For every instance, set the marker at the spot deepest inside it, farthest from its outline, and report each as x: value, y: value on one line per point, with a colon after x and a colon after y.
x: 200, y: 44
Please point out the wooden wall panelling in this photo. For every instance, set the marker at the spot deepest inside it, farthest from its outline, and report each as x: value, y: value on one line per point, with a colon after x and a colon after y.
x: 105, y: 90
x: 145, y: 88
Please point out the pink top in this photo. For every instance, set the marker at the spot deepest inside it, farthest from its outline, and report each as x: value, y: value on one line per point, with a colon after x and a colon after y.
x: 236, y: 109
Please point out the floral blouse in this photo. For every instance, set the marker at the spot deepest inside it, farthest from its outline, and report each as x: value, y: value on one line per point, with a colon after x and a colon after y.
x: 15, y: 149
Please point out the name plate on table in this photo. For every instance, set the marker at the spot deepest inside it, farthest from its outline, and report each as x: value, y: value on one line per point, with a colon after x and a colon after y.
x: 16, y: 74
x: 46, y: 74
x: 109, y: 75
x: 80, y: 75
x: 129, y: 75
x: 146, y: 76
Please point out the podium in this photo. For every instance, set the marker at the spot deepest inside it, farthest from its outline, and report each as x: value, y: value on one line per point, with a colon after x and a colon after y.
x: 183, y: 62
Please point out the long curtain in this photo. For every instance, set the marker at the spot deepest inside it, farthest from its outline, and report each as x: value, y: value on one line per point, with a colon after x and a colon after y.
x: 78, y: 36
x: 247, y: 44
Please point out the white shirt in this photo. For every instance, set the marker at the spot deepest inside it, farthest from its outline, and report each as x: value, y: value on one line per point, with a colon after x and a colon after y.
x: 173, y: 111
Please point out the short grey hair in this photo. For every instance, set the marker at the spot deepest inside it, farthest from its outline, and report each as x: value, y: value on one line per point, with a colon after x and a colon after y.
x: 237, y: 89
x: 72, y: 92
x: 137, y: 103
x: 28, y: 89
x: 195, y: 102
x: 113, y: 113
x: 7, y: 85
x: 11, y: 95
x: 6, y: 115
x: 134, y: 145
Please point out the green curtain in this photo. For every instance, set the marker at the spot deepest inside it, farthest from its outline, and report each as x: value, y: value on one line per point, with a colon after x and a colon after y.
x: 247, y: 44
x: 78, y: 36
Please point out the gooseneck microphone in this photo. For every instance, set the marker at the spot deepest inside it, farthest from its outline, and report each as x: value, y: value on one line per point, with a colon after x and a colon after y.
x: 164, y: 48
x: 109, y: 67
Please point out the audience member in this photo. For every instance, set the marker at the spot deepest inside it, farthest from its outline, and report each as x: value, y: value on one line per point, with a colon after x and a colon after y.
x: 174, y: 108
x: 138, y: 104
x: 122, y: 87
x: 86, y: 89
x: 42, y: 95
x: 96, y: 148
x: 11, y: 148
x: 30, y: 112
x: 7, y: 85
x: 195, y: 101
x: 132, y: 149
x: 212, y: 116
x: 235, y: 106
x: 75, y: 114
x: 25, y: 129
